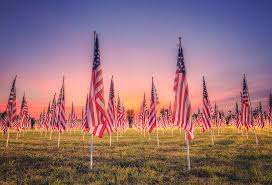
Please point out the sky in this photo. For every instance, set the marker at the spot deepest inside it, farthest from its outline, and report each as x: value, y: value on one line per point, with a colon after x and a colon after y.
x: 42, y: 41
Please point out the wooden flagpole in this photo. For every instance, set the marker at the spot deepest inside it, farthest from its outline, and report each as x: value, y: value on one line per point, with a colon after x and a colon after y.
x: 188, y: 151
x: 7, y: 139
x: 256, y: 138
x: 144, y: 132
x: 91, y: 151
x: 212, y: 136
x: 51, y: 133
x: 158, y: 142
x: 110, y: 139
x: 59, y: 139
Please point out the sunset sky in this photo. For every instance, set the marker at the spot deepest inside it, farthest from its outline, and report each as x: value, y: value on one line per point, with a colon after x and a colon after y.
x: 41, y: 41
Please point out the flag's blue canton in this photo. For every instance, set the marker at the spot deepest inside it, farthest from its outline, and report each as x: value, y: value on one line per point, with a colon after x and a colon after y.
x: 270, y: 100
x: 153, y: 93
x: 112, y: 90
x: 205, y: 93
x: 245, y: 91
x: 180, y: 63
x: 96, y: 61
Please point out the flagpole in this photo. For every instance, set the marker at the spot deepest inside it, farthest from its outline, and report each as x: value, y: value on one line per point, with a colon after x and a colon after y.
x: 117, y: 134
x: 256, y: 138
x: 7, y: 139
x: 188, y: 151
x: 59, y: 139
x: 212, y: 136
x: 158, y: 142
x: 110, y: 139
x: 51, y: 133
x: 91, y: 151
x: 144, y: 132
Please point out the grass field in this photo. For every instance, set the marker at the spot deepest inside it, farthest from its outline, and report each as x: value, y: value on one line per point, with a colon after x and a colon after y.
x: 34, y: 159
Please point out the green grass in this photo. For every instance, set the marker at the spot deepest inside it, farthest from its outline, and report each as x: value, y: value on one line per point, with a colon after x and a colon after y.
x: 34, y: 159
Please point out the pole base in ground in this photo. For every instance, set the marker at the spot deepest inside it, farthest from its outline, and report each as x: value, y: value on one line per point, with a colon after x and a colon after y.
x: 7, y: 140
x: 188, y: 152
x: 91, y: 152
x: 59, y: 140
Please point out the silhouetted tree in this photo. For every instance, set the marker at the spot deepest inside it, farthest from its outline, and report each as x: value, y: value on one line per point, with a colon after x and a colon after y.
x: 130, y: 117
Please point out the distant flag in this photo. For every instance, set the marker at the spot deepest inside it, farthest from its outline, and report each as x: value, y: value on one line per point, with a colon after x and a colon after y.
x: 270, y: 110
x: 24, y: 113
x: 4, y: 122
x: 206, y: 108
x: 82, y: 120
x: 111, y: 108
x: 237, y: 116
x: 11, y: 107
x: 260, y: 116
x: 199, y: 118
x: 143, y: 113
x: 47, y: 117
x: 154, y: 102
x: 170, y: 116
x: 53, y: 121
x: 182, y: 104
x: 215, y: 116
x: 72, y: 117
x: 245, y: 107
x: 85, y: 124
x: 124, y: 121
x: 61, y: 122
x: 40, y: 121
x: 119, y: 114
x: 43, y: 121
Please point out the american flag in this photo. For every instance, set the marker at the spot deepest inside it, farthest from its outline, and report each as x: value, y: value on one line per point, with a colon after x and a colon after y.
x: 43, y: 123
x: 245, y: 107
x: 97, y: 116
x: 170, y: 116
x: 48, y: 116
x: 152, y: 114
x: 260, y: 116
x: 215, y: 116
x: 53, y: 121
x: 11, y: 107
x: 82, y: 120
x: 124, y: 121
x: 182, y: 104
x: 270, y: 110
x: 206, y: 108
x: 24, y: 113
x: 85, y: 124
x: 237, y: 116
x: 119, y: 114
x: 111, y: 108
x: 143, y: 113
x: 72, y: 117
x: 4, y: 122
x: 200, y: 118
x: 61, y: 122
